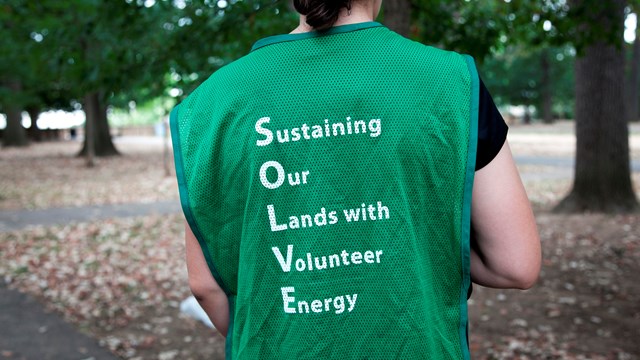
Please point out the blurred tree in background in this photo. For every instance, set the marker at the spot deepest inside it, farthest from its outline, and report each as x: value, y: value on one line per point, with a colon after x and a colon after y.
x: 632, y: 86
x: 19, y: 64
x: 602, y: 180
x: 66, y: 53
x: 101, y: 54
x: 542, y: 78
x: 528, y: 33
x: 110, y: 53
x: 206, y: 35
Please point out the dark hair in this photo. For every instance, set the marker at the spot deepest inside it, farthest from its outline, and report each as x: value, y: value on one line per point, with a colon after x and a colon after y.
x: 321, y: 14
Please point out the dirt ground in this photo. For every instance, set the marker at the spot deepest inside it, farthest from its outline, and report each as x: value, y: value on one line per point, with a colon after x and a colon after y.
x: 586, y: 304
x: 122, y: 280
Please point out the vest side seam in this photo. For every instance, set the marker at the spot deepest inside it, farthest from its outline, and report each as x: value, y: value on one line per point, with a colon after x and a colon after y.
x: 228, y: 344
x: 466, y: 208
x: 184, y: 196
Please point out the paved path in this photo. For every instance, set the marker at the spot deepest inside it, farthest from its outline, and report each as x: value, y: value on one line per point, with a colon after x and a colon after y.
x: 562, y: 162
x: 27, y: 332
x: 30, y: 333
x: 19, y: 219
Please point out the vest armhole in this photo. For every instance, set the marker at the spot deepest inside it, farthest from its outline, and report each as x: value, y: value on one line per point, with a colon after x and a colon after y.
x: 174, y: 121
x: 465, y: 245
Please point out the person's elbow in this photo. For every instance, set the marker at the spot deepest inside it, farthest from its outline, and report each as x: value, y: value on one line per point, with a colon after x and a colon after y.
x: 526, y: 279
x: 526, y: 272
x: 513, y: 270
x: 203, y: 289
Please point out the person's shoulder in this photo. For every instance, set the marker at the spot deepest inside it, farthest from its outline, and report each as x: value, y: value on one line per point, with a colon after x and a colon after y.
x: 216, y: 85
x: 413, y: 48
x: 237, y: 68
x: 230, y: 72
x: 429, y: 61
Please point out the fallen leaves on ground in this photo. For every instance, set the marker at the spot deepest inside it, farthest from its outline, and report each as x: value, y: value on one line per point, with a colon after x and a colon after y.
x: 585, y: 305
x: 51, y: 175
x: 120, y: 280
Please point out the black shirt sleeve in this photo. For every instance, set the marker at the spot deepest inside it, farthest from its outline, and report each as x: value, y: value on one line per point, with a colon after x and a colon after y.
x: 492, y: 129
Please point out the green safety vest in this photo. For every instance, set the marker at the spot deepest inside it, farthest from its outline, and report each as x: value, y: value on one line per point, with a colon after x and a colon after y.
x: 327, y: 178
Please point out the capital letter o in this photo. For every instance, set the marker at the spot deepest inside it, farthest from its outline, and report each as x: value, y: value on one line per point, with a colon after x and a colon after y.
x: 263, y: 174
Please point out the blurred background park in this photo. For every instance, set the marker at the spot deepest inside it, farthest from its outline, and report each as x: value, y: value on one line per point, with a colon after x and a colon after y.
x: 90, y: 224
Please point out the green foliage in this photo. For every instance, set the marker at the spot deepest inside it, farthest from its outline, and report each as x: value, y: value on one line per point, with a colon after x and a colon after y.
x: 483, y: 27
x: 149, y: 113
x: 206, y: 36
x: 515, y: 77
x: 61, y: 50
x: 508, y: 41
x: 585, y: 25
x: 22, y: 63
x: 469, y: 27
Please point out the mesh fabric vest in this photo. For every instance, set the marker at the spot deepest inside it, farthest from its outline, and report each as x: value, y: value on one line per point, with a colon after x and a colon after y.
x: 328, y: 180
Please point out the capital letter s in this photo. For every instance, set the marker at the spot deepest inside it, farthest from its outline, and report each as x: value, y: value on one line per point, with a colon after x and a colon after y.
x: 266, y: 132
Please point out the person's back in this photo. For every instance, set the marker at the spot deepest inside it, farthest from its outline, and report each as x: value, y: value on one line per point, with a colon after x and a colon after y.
x: 328, y: 178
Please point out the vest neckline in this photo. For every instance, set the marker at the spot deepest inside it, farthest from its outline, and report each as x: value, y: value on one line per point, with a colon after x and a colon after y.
x: 341, y: 29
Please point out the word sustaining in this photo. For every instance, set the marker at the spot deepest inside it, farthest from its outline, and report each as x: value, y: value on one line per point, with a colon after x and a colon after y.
x: 306, y: 132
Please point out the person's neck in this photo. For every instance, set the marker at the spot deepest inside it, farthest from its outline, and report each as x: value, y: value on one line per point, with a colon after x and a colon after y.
x: 358, y: 15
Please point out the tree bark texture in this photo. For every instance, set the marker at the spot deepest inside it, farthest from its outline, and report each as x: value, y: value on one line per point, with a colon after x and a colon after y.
x: 633, y: 83
x: 96, y: 116
x: 602, y: 181
x: 90, y: 112
x: 34, y: 131
x: 397, y: 16
x: 527, y: 115
x: 14, y: 134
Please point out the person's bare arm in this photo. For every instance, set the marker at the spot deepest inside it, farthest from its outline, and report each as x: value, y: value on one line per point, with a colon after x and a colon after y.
x: 203, y: 286
x: 506, y: 251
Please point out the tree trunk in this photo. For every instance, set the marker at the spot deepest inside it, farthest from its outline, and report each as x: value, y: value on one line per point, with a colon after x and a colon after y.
x: 96, y: 114
x: 397, y: 16
x: 90, y: 113
x: 633, y: 82
x: 527, y: 115
x: 547, y: 93
x: 14, y: 134
x: 34, y: 131
x: 602, y: 181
